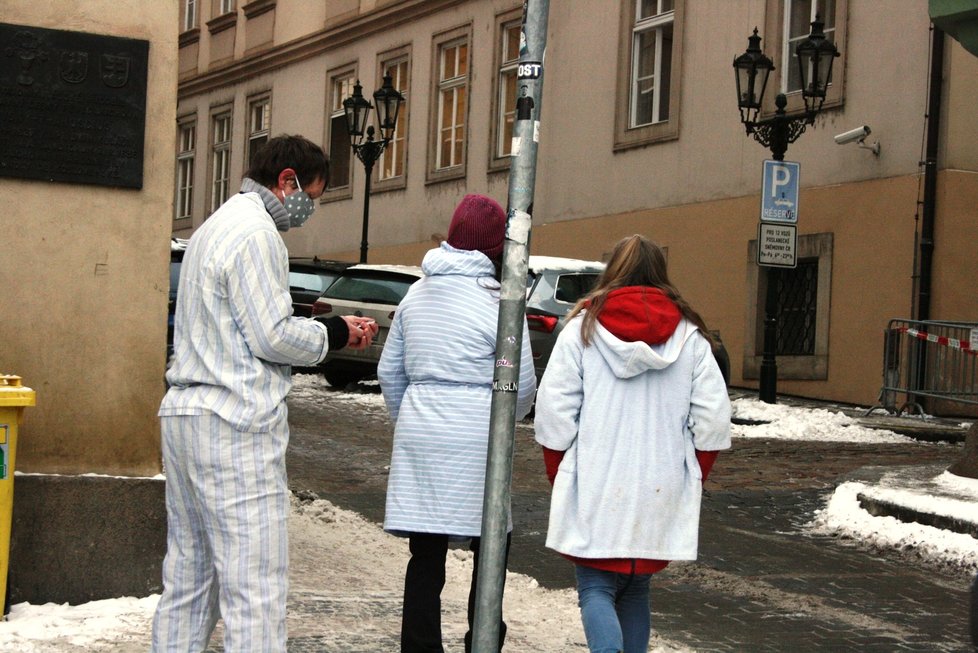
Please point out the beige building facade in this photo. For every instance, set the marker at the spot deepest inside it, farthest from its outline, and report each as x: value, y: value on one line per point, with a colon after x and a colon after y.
x: 84, y: 278
x: 639, y: 132
x: 88, y: 95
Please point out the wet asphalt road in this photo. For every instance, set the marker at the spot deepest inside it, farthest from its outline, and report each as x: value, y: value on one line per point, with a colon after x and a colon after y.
x: 761, y: 583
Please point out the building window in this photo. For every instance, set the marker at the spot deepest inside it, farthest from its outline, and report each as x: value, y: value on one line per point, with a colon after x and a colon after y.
x: 799, y: 15
x: 797, y: 294
x: 509, y: 56
x: 649, y: 72
x: 222, y: 7
x: 651, y: 58
x: 450, y: 95
x: 337, y: 136
x: 392, y: 159
x: 189, y: 15
x: 787, y: 23
x: 221, y: 159
x: 259, y: 124
x: 802, y: 299
x: 186, y: 149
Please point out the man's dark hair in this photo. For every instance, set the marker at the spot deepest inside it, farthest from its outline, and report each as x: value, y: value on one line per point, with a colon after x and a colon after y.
x: 287, y: 151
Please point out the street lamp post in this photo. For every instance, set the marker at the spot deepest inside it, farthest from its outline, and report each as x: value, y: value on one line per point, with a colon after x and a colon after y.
x: 357, y: 109
x: 815, y: 57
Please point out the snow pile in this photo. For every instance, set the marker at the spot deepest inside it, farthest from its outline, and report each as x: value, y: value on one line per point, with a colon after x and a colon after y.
x: 844, y: 517
x: 792, y: 423
x: 113, y: 624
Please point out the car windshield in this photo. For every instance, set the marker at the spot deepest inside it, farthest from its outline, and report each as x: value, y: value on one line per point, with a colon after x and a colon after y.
x: 370, y: 289
x: 310, y: 281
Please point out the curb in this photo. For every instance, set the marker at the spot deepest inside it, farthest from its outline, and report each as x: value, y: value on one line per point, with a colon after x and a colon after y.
x: 881, y: 508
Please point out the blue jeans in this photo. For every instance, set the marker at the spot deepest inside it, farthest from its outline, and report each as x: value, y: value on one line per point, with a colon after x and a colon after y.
x: 615, y: 610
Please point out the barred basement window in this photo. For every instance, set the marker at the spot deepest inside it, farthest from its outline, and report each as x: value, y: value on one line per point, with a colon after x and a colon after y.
x: 802, y: 299
x: 797, y: 293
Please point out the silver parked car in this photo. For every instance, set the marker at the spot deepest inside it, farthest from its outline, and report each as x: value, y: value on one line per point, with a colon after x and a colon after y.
x: 554, y: 285
x: 364, y: 290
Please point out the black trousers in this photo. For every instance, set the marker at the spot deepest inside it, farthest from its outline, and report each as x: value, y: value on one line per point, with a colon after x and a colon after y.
x: 423, y: 583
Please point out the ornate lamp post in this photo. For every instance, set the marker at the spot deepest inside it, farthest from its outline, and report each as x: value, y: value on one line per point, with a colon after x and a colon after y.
x: 357, y: 109
x: 815, y: 57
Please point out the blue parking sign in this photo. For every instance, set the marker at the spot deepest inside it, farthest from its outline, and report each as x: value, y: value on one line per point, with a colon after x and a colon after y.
x: 779, y: 191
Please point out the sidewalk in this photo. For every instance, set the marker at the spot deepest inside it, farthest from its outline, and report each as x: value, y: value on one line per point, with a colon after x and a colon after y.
x: 922, y: 494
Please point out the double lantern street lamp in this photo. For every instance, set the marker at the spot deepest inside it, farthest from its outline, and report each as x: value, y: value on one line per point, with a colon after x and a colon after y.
x: 815, y: 57
x: 357, y: 109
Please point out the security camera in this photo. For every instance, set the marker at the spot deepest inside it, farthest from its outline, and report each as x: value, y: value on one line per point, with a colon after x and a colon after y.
x: 857, y: 134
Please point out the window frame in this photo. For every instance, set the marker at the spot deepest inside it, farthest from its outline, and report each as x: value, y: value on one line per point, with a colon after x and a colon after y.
x: 809, y: 368
x: 504, y: 21
x: 627, y: 136
x: 385, y: 60
x: 255, y: 100
x: 219, y: 112
x: 457, y: 36
x: 344, y: 73
x: 776, y: 26
x: 190, y: 15
x: 183, y: 156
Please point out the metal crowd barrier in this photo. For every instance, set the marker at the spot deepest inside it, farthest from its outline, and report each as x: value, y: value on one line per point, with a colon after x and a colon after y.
x: 937, y: 360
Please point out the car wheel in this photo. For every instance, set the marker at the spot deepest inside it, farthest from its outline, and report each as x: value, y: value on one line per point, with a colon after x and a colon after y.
x: 338, y: 377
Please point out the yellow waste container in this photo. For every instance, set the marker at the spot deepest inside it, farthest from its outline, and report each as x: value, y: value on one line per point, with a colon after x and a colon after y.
x: 13, y: 398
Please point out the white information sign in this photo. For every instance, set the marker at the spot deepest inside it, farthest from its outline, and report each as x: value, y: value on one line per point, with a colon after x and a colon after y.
x: 974, y: 340
x: 777, y: 245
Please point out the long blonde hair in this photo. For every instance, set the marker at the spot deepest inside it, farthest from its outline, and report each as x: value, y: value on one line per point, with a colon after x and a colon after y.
x: 635, y: 261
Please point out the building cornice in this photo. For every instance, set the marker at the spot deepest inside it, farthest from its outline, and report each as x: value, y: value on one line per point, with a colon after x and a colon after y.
x: 311, y: 45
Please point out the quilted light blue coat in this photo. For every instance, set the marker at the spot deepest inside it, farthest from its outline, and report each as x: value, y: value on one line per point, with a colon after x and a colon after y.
x: 436, y: 374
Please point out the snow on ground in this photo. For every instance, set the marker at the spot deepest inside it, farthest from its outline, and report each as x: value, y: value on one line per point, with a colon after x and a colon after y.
x: 123, y: 625
x: 793, y: 423
x: 943, y: 494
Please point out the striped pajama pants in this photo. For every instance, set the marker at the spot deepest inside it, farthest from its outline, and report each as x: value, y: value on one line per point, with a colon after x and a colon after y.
x: 227, y: 505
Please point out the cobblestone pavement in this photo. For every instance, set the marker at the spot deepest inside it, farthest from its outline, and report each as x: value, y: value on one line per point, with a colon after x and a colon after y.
x: 761, y: 583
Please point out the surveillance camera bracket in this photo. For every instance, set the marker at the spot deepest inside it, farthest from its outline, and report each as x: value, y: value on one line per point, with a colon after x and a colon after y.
x: 875, y: 147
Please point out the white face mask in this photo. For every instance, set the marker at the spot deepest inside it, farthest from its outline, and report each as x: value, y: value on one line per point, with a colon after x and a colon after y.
x: 299, y: 206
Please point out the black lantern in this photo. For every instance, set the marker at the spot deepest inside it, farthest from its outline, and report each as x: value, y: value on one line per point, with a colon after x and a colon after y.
x: 368, y: 150
x: 815, y: 57
x: 753, y: 69
x: 357, y: 110
x: 388, y: 102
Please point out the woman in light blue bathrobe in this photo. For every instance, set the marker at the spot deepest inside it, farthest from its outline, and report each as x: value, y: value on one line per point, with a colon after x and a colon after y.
x: 436, y: 374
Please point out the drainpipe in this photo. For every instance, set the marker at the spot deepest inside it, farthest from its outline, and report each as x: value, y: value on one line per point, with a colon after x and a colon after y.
x: 919, y: 380
x: 930, y: 174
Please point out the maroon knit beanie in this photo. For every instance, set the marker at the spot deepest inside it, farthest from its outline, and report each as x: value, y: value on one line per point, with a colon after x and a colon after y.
x: 478, y: 223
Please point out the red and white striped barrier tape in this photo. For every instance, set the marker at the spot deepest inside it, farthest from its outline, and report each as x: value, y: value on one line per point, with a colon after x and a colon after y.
x: 953, y: 343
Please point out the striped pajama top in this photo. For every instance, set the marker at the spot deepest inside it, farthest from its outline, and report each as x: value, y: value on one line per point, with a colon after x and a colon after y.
x: 234, y: 335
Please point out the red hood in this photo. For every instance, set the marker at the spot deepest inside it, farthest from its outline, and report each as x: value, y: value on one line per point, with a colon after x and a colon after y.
x: 639, y: 313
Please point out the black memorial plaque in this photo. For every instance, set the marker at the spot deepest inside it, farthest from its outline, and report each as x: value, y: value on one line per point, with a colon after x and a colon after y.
x: 72, y: 106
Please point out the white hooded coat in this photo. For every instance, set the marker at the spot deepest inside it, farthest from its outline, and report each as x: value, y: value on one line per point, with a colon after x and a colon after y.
x: 630, y: 417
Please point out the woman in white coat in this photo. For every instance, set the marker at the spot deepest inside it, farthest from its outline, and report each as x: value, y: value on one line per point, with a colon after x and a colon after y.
x: 631, y: 413
x: 436, y: 374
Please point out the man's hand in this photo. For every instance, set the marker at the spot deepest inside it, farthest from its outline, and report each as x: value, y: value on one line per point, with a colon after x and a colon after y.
x: 362, y: 331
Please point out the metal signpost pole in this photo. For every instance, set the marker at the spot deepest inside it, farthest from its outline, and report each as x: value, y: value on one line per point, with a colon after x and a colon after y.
x: 509, y: 336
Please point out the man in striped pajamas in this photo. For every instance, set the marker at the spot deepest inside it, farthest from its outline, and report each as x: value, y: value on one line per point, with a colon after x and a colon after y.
x: 224, y: 418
